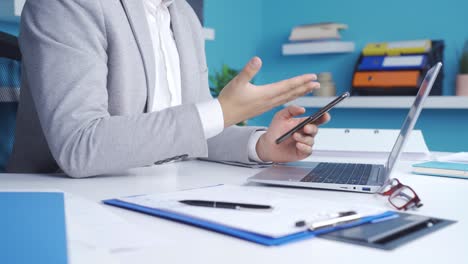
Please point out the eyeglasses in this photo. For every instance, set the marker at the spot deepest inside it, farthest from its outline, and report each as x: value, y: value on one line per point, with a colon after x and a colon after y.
x: 401, y: 196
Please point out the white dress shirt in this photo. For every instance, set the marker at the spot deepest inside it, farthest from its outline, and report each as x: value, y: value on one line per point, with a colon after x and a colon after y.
x: 167, y: 92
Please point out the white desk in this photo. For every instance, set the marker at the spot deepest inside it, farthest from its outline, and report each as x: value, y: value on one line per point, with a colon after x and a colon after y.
x: 442, y: 197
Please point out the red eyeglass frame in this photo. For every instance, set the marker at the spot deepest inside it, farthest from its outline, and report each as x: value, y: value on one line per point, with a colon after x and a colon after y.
x: 414, y: 202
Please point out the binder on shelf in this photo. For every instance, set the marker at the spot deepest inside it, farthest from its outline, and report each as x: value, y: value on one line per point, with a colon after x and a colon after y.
x: 407, y: 62
x: 387, y: 79
x: 382, y: 63
x: 270, y: 228
x: 397, y: 48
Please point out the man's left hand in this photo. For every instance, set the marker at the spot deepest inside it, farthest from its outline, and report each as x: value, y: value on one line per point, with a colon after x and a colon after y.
x: 298, y: 146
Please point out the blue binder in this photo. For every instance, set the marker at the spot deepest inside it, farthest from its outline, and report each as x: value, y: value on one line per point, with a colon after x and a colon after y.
x: 249, y: 236
x: 32, y: 228
x: 382, y: 63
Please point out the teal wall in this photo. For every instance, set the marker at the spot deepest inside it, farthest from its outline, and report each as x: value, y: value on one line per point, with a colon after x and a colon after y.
x: 9, y: 27
x: 369, y: 21
x: 238, y: 31
x: 260, y: 27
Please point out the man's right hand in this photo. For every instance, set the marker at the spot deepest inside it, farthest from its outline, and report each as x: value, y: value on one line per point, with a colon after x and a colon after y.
x: 241, y: 100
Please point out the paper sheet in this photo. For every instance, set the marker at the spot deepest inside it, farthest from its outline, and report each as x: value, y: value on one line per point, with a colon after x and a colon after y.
x: 367, y: 143
x: 281, y: 221
x: 93, y: 225
x: 461, y: 157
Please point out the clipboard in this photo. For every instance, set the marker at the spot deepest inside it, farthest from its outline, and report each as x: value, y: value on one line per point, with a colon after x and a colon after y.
x: 256, y: 227
x: 245, y: 235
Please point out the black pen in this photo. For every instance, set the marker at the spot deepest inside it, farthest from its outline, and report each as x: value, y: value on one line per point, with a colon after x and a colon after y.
x: 226, y: 205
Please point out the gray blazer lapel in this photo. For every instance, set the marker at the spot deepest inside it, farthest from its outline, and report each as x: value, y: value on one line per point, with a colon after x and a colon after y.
x: 187, y: 45
x: 136, y: 16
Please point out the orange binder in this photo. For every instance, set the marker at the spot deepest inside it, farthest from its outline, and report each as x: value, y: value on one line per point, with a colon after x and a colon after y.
x: 386, y: 79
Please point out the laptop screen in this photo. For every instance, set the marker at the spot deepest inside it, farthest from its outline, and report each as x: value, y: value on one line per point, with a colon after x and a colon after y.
x: 412, y: 117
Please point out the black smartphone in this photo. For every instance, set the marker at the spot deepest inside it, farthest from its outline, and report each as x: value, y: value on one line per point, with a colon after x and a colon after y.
x: 313, y: 117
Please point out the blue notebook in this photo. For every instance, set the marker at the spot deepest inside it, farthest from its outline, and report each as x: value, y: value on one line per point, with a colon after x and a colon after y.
x: 32, y: 228
x: 249, y: 236
x: 443, y: 169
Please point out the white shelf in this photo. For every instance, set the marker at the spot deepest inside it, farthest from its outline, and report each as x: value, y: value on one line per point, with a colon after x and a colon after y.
x: 320, y: 47
x: 209, y: 33
x: 402, y: 102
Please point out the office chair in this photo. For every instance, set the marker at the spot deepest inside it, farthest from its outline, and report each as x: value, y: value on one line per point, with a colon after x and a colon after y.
x: 10, y: 76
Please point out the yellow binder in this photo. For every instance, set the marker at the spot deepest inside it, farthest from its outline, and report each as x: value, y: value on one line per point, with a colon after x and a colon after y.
x: 397, y: 48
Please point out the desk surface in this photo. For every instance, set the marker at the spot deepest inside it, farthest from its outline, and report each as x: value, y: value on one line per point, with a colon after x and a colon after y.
x: 442, y: 197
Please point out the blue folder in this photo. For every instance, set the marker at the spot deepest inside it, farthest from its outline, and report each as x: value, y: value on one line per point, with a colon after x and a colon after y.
x: 250, y: 236
x: 32, y: 228
x: 376, y: 63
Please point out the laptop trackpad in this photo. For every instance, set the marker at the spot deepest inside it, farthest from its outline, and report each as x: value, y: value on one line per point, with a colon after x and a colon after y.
x: 282, y: 173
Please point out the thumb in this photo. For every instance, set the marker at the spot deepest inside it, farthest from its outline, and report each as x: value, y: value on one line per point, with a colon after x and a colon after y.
x: 250, y: 70
x: 290, y: 111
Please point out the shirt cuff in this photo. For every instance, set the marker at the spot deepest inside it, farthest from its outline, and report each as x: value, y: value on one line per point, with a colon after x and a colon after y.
x: 211, y: 116
x: 252, y: 145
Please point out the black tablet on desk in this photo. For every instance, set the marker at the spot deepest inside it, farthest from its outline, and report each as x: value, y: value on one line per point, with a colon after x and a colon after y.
x: 390, y: 234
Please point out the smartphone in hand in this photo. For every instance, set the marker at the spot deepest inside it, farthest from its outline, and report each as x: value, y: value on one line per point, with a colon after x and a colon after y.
x: 313, y: 117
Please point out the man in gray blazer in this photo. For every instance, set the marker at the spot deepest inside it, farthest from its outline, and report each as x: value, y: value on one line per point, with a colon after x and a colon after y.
x: 90, y: 74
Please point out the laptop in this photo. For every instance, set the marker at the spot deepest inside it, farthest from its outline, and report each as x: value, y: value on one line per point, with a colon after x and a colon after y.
x: 349, y: 176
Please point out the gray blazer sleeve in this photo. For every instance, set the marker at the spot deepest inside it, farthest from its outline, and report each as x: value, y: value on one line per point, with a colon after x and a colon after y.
x: 67, y: 67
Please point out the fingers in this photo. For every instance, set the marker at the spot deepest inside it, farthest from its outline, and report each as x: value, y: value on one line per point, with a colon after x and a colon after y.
x: 304, y: 139
x: 304, y: 149
x: 298, y: 86
x: 291, y: 111
x: 250, y: 70
x: 310, y: 129
x: 295, y: 92
x: 286, y: 85
x: 307, y: 135
x: 323, y: 119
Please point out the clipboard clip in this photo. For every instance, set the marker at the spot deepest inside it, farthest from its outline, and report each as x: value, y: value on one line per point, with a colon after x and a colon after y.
x: 341, y: 218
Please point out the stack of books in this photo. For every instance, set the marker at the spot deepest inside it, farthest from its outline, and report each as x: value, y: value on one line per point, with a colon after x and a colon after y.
x: 392, y: 68
x: 317, y: 39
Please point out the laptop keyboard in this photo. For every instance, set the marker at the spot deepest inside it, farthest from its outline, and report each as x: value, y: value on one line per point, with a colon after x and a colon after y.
x: 340, y: 173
